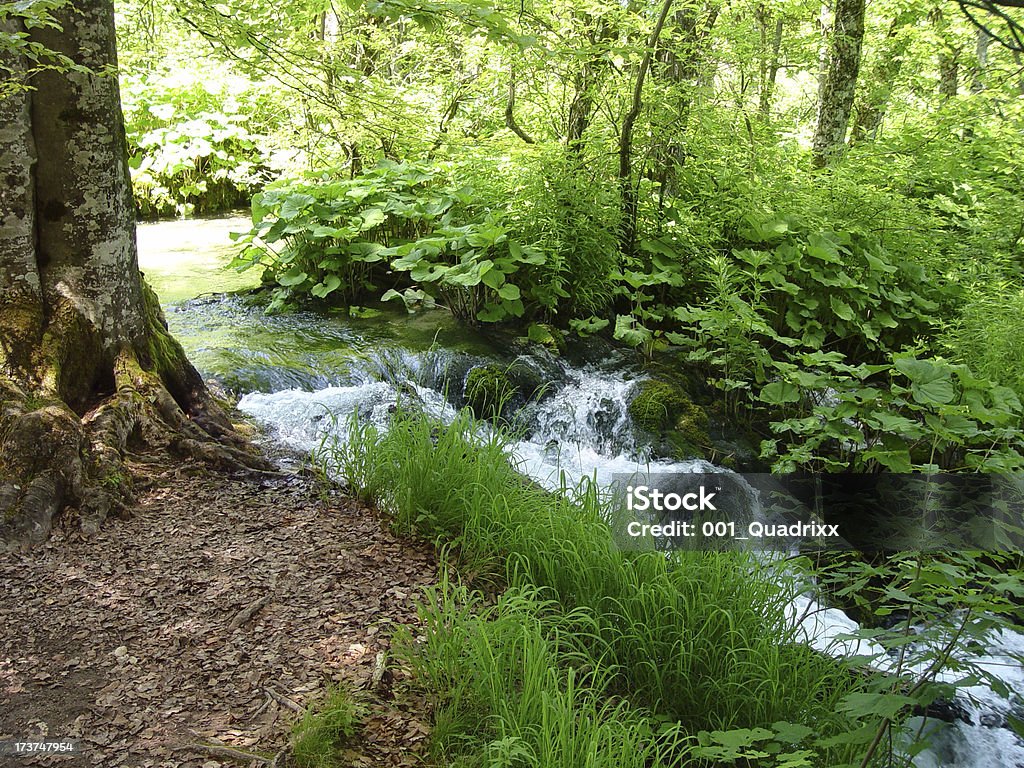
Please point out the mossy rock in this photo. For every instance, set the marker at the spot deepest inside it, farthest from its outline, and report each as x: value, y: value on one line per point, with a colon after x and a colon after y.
x: 658, y: 405
x: 488, y: 390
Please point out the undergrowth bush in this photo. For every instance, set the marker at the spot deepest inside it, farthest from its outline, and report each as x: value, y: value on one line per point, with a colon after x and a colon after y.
x: 398, y: 226
x: 191, y: 148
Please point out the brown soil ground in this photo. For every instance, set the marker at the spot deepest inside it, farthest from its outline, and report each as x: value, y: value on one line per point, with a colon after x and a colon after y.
x: 221, y: 607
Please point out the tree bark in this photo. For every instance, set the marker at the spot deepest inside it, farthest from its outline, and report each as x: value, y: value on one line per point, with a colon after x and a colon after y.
x: 840, y: 84
x: 585, y: 83
x: 983, y: 41
x: 628, y: 193
x: 87, y: 363
x: 949, y: 59
x: 770, y: 66
x: 680, y: 64
x: 873, y: 97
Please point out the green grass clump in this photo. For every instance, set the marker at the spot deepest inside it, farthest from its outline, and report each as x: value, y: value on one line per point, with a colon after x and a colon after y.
x: 324, y: 729
x: 699, y: 639
x: 514, y: 684
x: 488, y: 389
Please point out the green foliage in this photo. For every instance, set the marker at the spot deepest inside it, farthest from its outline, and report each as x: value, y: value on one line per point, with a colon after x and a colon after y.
x: 802, y: 289
x: 565, y: 211
x: 327, y: 234
x: 17, y: 21
x: 191, y: 151
x: 909, y: 414
x: 325, y: 728
x: 398, y: 222
x: 513, y: 681
x: 948, y: 605
x: 988, y: 336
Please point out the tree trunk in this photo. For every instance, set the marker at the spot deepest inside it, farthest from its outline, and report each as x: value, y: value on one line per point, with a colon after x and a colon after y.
x: 585, y: 84
x: 627, y: 238
x: 949, y: 59
x: 984, y: 40
x: 840, y: 84
x: 873, y: 98
x: 770, y: 67
x: 87, y: 362
x: 680, y: 63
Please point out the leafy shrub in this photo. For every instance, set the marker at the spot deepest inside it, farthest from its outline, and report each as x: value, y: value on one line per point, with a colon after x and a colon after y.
x: 910, y: 414
x: 326, y: 234
x: 399, y: 223
x: 190, y: 150
x: 568, y: 213
x: 835, y: 290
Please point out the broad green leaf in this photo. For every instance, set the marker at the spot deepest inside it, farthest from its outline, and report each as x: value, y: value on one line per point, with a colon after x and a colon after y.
x: 629, y: 331
x: 330, y: 283
x: 779, y: 393
x: 509, y: 292
x: 292, y: 277
x: 841, y: 308
x: 372, y: 217
x: 876, y: 705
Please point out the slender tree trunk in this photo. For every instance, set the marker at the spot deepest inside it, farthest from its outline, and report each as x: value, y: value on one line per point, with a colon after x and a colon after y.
x: 949, y: 58
x: 510, y: 107
x: 984, y: 40
x: 680, y: 68
x: 873, y: 96
x: 86, y: 361
x: 627, y: 239
x: 585, y: 84
x: 771, y: 73
x: 836, y: 99
x: 949, y: 74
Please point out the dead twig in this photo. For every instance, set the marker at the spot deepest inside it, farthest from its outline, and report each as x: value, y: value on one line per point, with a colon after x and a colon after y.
x: 247, y: 613
x: 283, y: 700
x: 231, y: 753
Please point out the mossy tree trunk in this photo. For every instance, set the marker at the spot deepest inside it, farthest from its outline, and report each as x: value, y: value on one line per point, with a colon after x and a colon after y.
x: 835, y: 100
x: 87, y: 365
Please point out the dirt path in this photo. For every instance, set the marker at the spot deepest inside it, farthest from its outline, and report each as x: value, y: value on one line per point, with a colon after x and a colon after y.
x: 139, y: 641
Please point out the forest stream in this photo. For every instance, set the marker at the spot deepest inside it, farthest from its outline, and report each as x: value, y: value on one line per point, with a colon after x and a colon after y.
x: 303, y: 374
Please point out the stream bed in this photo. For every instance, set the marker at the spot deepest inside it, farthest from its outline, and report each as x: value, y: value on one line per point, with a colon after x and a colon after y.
x: 291, y: 370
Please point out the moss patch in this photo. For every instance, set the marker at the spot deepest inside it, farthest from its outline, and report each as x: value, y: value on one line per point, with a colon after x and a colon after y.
x: 664, y: 409
x: 657, y: 405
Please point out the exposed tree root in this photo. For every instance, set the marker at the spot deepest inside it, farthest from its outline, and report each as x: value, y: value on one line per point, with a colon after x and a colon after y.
x: 52, y: 458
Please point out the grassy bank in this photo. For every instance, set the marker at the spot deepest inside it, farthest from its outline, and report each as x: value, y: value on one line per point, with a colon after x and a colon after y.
x: 592, y: 656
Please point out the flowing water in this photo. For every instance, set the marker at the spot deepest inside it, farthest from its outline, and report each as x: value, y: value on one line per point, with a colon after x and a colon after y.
x: 292, y: 370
